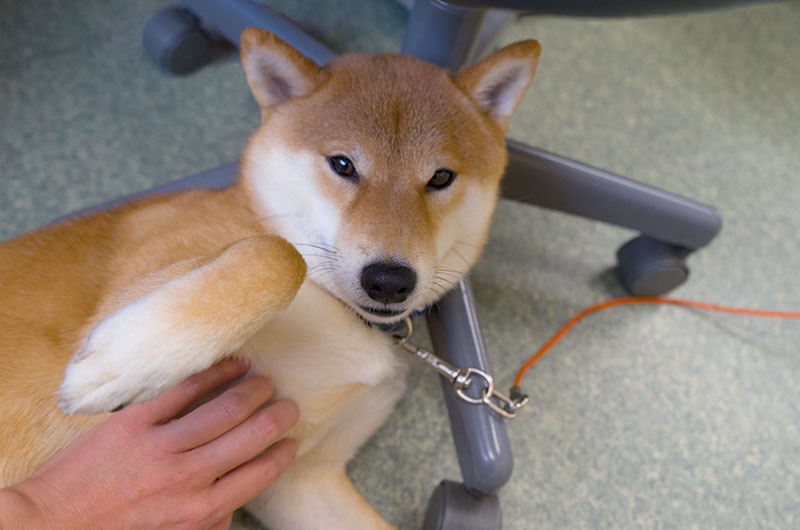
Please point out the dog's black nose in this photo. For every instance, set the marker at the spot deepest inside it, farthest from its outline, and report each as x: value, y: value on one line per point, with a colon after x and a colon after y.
x: 387, y: 282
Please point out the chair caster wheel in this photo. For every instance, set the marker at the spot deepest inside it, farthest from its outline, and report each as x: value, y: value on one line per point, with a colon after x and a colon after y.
x: 175, y: 41
x: 452, y: 508
x: 648, y: 267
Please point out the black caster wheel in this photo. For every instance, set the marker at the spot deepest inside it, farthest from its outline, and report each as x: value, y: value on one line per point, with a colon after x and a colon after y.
x: 452, y: 508
x: 175, y: 41
x: 648, y: 267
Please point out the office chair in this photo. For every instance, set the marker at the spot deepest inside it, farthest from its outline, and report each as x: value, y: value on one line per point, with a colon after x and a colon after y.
x: 450, y: 33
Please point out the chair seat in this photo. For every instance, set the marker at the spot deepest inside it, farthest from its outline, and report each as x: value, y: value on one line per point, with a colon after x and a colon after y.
x: 593, y: 8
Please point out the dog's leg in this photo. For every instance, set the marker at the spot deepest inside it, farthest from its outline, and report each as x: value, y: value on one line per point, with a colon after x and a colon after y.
x: 315, y: 497
x: 194, y: 314
x: 315, y: 493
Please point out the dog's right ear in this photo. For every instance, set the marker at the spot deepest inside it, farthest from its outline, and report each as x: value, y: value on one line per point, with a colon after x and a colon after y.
x: 276, y: 71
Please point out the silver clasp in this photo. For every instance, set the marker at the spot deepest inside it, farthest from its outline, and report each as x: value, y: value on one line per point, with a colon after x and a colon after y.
x: 462, y: 378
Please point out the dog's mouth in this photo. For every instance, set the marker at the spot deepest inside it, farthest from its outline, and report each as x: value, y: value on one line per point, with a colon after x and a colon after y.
x: 382, y: 312
x: 379, y: 316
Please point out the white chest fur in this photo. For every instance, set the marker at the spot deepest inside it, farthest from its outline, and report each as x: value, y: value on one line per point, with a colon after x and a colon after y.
x: 344, y: 376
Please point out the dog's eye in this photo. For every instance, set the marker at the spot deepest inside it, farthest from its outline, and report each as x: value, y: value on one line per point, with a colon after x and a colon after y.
x: 441, y: 179
x: 343, y: 166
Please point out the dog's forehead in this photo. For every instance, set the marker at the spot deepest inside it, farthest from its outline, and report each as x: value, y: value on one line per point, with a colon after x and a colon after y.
x: 388, y: 76
x: 394, y: 100
x: 400, y: 113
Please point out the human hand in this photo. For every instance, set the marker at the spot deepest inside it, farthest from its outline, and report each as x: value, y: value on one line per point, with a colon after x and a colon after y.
x: 144, y: 468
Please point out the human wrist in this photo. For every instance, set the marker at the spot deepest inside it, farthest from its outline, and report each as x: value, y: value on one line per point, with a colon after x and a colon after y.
x: 38, y: 505
x: 19, y: 510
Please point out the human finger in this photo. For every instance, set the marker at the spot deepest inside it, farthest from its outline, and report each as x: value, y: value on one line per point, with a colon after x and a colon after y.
x: 248, y: 439
x: 244, y: 483
x: 166, y: 406
x: 218, y: 416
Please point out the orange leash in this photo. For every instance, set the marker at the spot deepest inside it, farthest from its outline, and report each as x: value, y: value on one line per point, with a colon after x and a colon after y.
x: 646, y: 300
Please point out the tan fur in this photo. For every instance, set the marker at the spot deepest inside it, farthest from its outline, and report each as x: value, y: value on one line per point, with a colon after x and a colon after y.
x: 60, y: 282
x: 197, y: 275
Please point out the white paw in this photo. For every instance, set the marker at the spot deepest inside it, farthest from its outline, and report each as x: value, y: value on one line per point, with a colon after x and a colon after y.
x: 133, y: 355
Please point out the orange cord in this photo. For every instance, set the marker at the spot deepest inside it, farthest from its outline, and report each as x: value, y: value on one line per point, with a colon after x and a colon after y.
x: 646, y: 300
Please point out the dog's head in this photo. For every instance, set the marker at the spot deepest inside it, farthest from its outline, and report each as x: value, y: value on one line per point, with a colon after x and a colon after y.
x: 383, y: 171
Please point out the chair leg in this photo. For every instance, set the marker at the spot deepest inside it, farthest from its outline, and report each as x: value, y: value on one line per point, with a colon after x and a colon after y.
x: 537, y: 177
x: 671, y: 226
x: 447, y: 35
x: 480, y: 436
x: 230, y: 17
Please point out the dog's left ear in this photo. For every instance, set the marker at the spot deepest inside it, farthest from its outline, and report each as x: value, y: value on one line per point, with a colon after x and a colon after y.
x: 276, y: 71
x: 498, y: 82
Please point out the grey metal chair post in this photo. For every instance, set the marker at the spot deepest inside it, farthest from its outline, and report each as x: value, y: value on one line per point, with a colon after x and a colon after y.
x: 446, y: 34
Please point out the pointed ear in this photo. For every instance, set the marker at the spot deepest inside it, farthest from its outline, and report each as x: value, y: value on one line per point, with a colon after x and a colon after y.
x: 498, y: 82
x: 276, y: 71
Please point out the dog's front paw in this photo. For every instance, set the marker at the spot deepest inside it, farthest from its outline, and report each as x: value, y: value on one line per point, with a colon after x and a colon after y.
x: 132, y: 356
x: 182, y: 327
x: 106, y: 372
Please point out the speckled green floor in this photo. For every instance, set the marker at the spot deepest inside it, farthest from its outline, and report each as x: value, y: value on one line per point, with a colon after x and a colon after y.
x: 640, y: 418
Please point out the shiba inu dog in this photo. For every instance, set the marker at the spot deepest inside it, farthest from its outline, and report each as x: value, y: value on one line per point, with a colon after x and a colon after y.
x: 364, y: 195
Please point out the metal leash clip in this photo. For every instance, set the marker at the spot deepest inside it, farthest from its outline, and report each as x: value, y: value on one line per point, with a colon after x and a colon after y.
x: 462, y: 379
